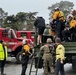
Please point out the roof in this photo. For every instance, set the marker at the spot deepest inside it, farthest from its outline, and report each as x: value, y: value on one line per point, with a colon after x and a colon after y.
x: 25, y: 31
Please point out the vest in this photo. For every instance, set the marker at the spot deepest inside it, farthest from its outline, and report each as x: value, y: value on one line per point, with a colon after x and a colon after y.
x: 3, y: 54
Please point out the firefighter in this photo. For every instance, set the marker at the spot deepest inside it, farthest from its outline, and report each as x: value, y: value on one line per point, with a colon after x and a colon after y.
x: 68, y: 31
x: 60, y: 57
x: 59, y: 21
x: 26, y: 53
x: 40, y: 26
x: 3, y: 56
x: 47, y: 56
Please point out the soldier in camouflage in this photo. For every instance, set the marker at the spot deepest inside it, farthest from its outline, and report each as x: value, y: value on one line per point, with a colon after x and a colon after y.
x: 47, y: 56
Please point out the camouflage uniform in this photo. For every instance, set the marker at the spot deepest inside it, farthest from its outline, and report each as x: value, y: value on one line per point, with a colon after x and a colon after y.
x: 47, y: 57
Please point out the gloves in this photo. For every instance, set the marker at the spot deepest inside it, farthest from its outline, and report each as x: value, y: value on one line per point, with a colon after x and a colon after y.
x: 61, y: 62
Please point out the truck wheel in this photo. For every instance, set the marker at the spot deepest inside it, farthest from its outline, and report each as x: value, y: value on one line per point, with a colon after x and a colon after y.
x: 18, y: 58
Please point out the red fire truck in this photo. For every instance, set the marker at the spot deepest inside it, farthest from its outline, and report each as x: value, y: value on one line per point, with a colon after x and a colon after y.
x: 14, y: 44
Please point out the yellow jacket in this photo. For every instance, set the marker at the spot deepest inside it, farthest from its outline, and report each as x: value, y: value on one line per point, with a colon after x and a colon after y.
x: 72, y: 23
x: 27, y: 49
x: 2, y: 54
x: 60, y: 52
x: 55, y: 15
x: 58, y: 15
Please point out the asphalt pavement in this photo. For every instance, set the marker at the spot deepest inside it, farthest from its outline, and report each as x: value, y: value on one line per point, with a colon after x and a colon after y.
x: 12, y: 68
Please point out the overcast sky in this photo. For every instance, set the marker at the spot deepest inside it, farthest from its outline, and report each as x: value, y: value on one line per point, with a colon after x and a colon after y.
x: 15, y: 6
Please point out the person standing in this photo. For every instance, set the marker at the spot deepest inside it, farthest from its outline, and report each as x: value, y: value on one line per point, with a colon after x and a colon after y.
x: 26, y: 52
x: 40, y: 26
x: 59, y: 21
x: 3, y: 56
x: 60, y: 57
x: 47, y: 56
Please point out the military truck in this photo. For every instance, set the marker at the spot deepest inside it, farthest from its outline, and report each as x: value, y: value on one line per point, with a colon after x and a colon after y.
x: 70, y: 53
x: 70, y: 47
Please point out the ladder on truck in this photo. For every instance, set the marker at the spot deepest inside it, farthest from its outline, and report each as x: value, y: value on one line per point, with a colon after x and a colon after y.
x: 32, y: 63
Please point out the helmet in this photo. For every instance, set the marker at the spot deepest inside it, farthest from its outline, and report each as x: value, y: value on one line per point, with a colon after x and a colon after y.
x: 24, y: 41
x: 57, y: 40
x: 49, y: 40
x: 73, y: 11
x: 57, y: 8
x: 69, y: 16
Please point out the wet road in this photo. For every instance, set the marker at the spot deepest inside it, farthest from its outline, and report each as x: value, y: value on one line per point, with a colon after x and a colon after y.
x: 12, y: 68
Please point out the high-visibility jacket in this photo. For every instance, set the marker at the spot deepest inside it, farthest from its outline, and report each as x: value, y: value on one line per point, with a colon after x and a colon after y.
x: 72, y: 23
x: 3, y: 54
x: 58, y: 15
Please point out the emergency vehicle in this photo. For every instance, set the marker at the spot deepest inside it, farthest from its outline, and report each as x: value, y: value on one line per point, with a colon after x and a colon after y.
x: 13, y: 43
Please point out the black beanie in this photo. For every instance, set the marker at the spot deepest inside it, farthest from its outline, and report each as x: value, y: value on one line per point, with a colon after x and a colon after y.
x: 1, y: 41
x: 58, y: 40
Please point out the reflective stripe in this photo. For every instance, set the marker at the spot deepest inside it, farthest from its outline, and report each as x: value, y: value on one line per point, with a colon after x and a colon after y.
x: 6, y: 51
x: 11, y: 43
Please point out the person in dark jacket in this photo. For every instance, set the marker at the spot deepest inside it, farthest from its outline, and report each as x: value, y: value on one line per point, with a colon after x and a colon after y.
x: 40, y: 26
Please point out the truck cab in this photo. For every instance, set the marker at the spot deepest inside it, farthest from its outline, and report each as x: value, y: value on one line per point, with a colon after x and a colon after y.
x: 13, y: 43
x: 27, y: 35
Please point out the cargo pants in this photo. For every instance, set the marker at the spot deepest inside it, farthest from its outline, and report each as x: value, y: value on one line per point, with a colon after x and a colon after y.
x: 48, y: 63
